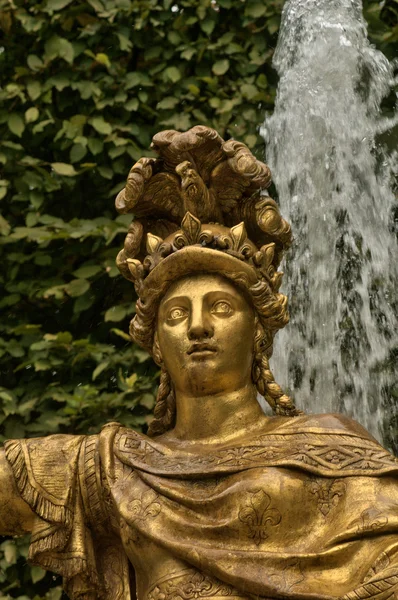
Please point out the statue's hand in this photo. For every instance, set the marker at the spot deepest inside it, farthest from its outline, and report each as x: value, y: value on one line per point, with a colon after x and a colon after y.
x: 15, y: 515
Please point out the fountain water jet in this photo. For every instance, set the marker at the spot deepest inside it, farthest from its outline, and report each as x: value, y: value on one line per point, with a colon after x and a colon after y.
x: 336, y: 191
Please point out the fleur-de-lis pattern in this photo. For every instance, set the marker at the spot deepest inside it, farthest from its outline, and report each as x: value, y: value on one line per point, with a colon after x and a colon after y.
x: 147, y: 507
x: 371, y: 519
x: 258, y: 516
x: 328, y: 493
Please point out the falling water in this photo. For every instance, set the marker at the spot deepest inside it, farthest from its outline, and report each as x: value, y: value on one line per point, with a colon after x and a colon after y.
x: 334, y: 186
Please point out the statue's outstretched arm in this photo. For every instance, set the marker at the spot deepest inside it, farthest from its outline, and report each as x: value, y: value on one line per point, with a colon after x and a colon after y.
x: 15, y: 515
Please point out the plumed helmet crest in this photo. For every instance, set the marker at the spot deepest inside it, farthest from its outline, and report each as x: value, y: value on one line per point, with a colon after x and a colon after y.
x: 198, y: 183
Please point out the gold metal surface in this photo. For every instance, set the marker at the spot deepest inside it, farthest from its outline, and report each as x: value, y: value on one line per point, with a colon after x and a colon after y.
x: 219, y: 500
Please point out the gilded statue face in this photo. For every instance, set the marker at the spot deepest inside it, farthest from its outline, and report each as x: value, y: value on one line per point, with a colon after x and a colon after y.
x: 205, y: 331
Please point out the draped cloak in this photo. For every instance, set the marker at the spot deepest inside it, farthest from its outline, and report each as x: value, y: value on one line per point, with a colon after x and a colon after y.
x: 307, y: 510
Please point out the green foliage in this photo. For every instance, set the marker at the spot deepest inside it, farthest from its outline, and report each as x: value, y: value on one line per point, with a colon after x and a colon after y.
x: 84, y: 86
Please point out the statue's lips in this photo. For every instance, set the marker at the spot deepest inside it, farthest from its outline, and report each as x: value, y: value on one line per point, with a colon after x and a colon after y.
x: 202, y: 349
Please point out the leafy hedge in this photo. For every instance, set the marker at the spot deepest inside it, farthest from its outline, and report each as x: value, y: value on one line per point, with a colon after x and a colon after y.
x: 84, y: 86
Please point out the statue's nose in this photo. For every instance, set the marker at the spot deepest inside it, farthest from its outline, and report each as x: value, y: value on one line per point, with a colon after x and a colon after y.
x: 200, y: 325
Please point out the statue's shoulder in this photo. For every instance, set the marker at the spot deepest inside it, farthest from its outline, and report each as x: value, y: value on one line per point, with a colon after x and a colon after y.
x: 45, y: 454
x: 328, y: 423
x: 45, y: 471
x: 114, y: 440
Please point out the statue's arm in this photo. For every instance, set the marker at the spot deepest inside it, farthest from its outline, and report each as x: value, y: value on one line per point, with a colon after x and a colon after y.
x: 15, y: 515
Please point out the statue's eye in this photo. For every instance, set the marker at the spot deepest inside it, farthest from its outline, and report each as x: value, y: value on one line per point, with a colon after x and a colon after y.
x: 176, y: 313
x: 221, y: 308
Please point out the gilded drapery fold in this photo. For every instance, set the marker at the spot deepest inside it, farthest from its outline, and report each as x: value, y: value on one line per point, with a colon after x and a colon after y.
x: 57, y: 477
x: 306, y: 510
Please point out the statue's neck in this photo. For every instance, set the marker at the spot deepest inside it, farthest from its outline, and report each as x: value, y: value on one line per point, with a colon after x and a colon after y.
x: 216, y: 417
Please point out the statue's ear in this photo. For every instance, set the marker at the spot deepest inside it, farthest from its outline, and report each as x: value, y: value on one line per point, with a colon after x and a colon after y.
x: 156, y: 353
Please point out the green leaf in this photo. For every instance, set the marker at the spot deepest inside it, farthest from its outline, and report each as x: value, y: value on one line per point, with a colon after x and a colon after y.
x: 64, y: 337
x: 105, y: 172
x: 5, y: 227
x: 31, y: 115
x: 208, y: 26
x: 262, y: 81
x: 34, y: 89
x: 174, y: 38
x: 97, y: 5
x: 86, y: 272
x: 54, y: 5
x: 234, y: 49
x: 31, y: 220
x: 215, y: 102
x: 130, y: 381
x: 273, y: 25
x: 194, y: 89
x: 77, y: 153
x: 167, y: 103
x: 10, y: 552
x: 37, y: 574
x: 180, y: 121
x: 77, y: 287
x: 148, y: 400
x: 103, y: 59
x: 115, y: 313
x: 39, y: 127
x: 59, y: 81
x: 124, y: 42
x: 221, y: 67
x: 101, y: 367
x: 36, y: 199
x: 15, y: 124
x: 3, y: 193
x: 101, y: 125
x: 34, y: 62
x: 249, y: 91
x: 226, y: 106
x: 9, y: 300
x: 15, y: 349
x: 132, y: 80
x: 64, y: 169
x: 132, y: 104
x: 122, y: 334
x: 172, y: 74
x: 58, y: 47
x: 143, y: 96
x: 251, y: 140
x: 256, y: 10
x: 42, y: 365
x: 188, y: 53
x: 12, y: 145
x: 95, y: 145
x: 54, y: 593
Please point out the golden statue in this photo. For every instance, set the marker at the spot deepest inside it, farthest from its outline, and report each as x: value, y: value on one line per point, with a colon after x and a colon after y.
x: 219, y: 500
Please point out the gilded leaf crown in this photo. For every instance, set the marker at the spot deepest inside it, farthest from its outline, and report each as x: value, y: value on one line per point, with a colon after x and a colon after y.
x: 234, y: 243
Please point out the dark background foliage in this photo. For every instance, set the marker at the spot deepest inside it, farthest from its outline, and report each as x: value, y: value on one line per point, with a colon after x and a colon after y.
x: 84, y: 86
